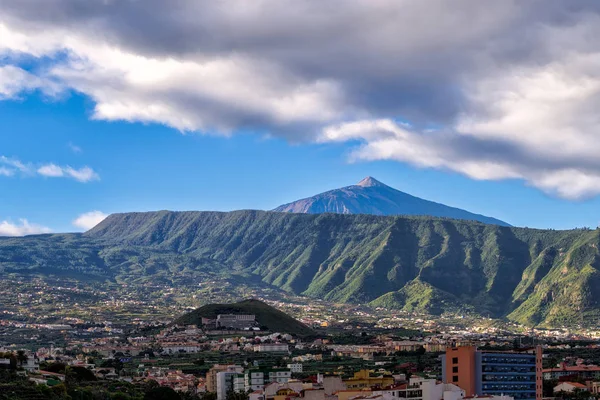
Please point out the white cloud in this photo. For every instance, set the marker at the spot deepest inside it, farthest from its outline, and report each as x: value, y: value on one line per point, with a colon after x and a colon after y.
x: 13, y: 166
x: 15, y: 81
x: 51, y: 170
x: 468, y: 155
x: 6, y: 171
x: 74, y: 148
x: 22, y: 228
x: 89, y: 220
x: 85, y: 174
x: 512, y: 88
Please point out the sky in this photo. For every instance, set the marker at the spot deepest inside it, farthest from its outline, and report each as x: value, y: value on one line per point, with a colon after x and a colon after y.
x: 124, y: 105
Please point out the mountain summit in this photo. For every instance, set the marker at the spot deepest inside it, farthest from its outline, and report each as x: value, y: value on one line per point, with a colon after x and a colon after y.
x: 369, y: 196
x: 369, y: 181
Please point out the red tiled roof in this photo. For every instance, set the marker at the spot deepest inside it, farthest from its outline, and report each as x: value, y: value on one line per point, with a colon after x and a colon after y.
x: 573, y: 368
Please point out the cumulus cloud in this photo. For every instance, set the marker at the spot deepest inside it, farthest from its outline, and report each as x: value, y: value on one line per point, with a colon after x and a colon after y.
x: 22, y: 228
x: 469, y: 155
x: 491, y: 90
x: 14, y: 81
x: 89, y: 220
x: 13, y: 166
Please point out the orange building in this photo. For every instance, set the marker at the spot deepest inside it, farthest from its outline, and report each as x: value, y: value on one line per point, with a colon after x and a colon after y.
x: 479, y: 373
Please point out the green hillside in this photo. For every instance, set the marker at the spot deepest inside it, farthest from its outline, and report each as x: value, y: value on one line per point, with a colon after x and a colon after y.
x: 272, y: 318
x: 538, y: 277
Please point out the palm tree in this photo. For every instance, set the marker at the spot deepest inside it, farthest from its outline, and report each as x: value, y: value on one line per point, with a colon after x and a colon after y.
x: 21, y: 357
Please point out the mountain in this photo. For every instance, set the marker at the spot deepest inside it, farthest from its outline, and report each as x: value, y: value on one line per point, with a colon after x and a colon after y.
x: 536, y: 277
x: 266, y: 315
x: 370, y: 196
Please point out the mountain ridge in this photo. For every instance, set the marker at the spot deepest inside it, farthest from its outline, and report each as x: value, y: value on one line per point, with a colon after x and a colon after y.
x: 370, y: 196
x: 412, y: 263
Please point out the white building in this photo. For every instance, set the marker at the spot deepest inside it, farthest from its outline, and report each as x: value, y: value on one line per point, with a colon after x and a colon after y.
x: 32, y: 364
x: 229, y: 381
x: 256, y: 379
x: 295, y: 368
x: 272, y: 348
x: 181, y: 348
x: 235, y: 321
x: 423, y: 389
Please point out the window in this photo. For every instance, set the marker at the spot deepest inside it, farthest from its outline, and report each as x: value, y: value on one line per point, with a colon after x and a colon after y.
x: 455, y: 378
x: 455, y: 370
x: 455, y: 360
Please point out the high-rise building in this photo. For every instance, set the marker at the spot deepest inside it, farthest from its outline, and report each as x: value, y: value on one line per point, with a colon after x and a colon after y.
x: 480, y: 372
x: 211, y: 375
x: 257, y: 378
x: 229, y: 382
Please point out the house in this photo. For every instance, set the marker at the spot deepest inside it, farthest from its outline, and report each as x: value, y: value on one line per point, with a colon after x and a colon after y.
x: 593, y: 387
x: 572, y: 372
x: 569, y: 387
x: 363, y: 379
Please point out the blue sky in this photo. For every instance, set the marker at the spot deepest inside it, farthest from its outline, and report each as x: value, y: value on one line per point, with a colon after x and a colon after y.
x: 490, y: 107
x: 152, y: 167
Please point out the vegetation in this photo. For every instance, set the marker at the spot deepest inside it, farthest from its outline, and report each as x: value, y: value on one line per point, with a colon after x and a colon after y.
x: 266, y: 316
x: 536, y: 277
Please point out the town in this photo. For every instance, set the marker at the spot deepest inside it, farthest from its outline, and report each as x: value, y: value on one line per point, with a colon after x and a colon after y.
x: 235, y: 357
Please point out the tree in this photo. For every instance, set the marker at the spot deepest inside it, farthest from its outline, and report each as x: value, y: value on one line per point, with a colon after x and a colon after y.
x: 208, y: 396
x: 231, y: 395
x: 81, y: 374
x: 21, y: 357
x: 120, y: 396
x: 161, y: 393
x: 57, y: 368
x: 150, y: 385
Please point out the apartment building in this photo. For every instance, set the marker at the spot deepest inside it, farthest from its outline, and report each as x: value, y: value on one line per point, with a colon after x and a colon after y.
x: 481, y: 373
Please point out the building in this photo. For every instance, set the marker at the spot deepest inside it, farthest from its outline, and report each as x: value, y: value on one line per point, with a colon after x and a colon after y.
x: 5, y: 363
x: 481, y: 373
x: 424, y: 389
x: 332, y: 384
x: 229, y: 382
x: 295, y: 368
x: 364, y: 380
x: 235, y: 321
x: 569, y: 387
x: 272, y: 348
x: 211, y: 375
x: 257, y: 378
x: 572, y: 372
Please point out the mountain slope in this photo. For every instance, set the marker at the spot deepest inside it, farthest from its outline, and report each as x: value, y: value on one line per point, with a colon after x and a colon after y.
x: 266, y: 315
x: 370, y: 196
x: 539, y: 277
